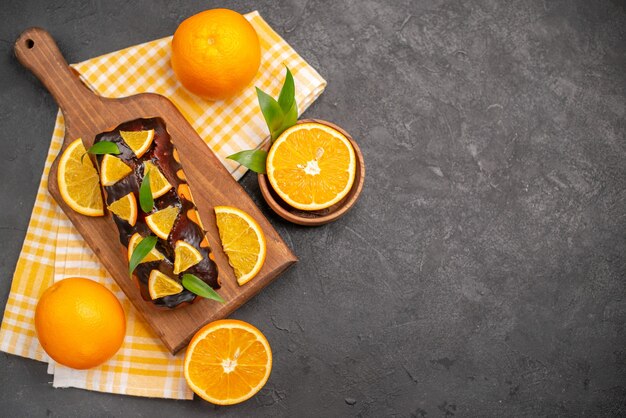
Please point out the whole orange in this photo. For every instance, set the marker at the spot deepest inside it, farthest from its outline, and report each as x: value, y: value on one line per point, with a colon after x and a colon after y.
x: 79, y: 323
x: 215, y: 53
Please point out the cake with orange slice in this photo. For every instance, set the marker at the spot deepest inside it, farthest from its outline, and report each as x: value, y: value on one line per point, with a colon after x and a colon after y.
x: 146, y: 153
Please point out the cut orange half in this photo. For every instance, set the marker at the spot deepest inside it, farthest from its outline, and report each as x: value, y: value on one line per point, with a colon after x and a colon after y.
x: 162, y: 221
x: 227, y: 362
x: 138, y: 141
x: 185, y: 256
x: 125, y: 208
x: 78, y: 181
x: 153, y: 255
x: 158, y: 183
x: 311, y: 166
x: 243, y: 242
x: 160, y: 285
x: 112, y: 170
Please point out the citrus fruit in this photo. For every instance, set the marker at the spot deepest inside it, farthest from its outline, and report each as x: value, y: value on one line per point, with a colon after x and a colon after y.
x: 158, y: 183
x: 162, y: 221
x: 215, y: 53
x: 194, y: 217
x: 79, y: 323
x: 227, y: 362
x: 138, y: 141
x: 78, y: 181
x: 311, y: 166
x: 160, y: 285
x: 112, y: 170
x: 185, y: 256
x: 243, y: 242
x: 184, y: 191
x: 153, y: 255
x: 126, y: 208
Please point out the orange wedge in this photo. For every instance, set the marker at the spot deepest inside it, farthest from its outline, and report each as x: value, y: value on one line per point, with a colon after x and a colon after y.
x: 126, y: 208
x: 158, y: 183
x: 78, y: 181
x: 243, y: 242
x: 311, y: 166
x: 162, y: 221
x: 185, y: 256
x: 153, y: 255
x: 138, y: 141
x: 160, y: 285
x: 227, y: 362
x: 112, y: 170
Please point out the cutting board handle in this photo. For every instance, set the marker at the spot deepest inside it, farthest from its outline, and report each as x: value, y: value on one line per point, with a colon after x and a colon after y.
x: 36, y: 50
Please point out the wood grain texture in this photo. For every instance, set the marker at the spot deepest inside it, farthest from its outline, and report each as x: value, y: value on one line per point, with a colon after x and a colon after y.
x: 86, y: 115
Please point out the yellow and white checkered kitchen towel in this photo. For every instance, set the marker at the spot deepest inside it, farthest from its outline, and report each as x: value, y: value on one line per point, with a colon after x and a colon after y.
x: 54, y: 250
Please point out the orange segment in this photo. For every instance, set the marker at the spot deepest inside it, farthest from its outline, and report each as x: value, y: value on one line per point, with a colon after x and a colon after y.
x: 311, y: 166
x: 138, y: 141
x: 112, y: 170
x: 153, y: 255
x: 243, y: 242
x: 160, y: 285
x: 158, y: 183
x: 125, y: 208
x: 162, y: 221
x: 227, y: 362
x: 78, y: 181
x: 194, y: 217
x: 185, y: 256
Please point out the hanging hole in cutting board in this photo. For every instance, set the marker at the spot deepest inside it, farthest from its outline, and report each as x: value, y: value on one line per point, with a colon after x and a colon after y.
x: 30, y: 43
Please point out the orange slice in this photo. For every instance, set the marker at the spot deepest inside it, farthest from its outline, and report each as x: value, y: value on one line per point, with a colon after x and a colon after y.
x: 227, y: 362
x: 138, y: 141
x: 78, y: 181
x: 160, y: 285
x: 311, y: 166
x: 125, y: 208
x: 112, y: 170
x: 158, y: 183
x: 185, y: 256
x: 243, y: 242
x: 153, y: 255
x: 162, y: 221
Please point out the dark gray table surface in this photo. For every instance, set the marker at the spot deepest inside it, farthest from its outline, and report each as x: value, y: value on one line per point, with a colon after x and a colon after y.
x: 482, y: 272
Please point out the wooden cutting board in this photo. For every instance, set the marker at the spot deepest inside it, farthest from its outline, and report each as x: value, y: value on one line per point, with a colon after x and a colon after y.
x: 86, y: 115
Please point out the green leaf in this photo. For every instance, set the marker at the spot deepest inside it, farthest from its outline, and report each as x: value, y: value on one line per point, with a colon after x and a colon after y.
x: 140, y: 252
x: 195, y: 285
x: 104, y: 147
x: 145, y: 194
x: 272, y: 112
x: 290, y: 119
x: 282, y: 114
x: 287, y: 96
x: 253, y: 159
